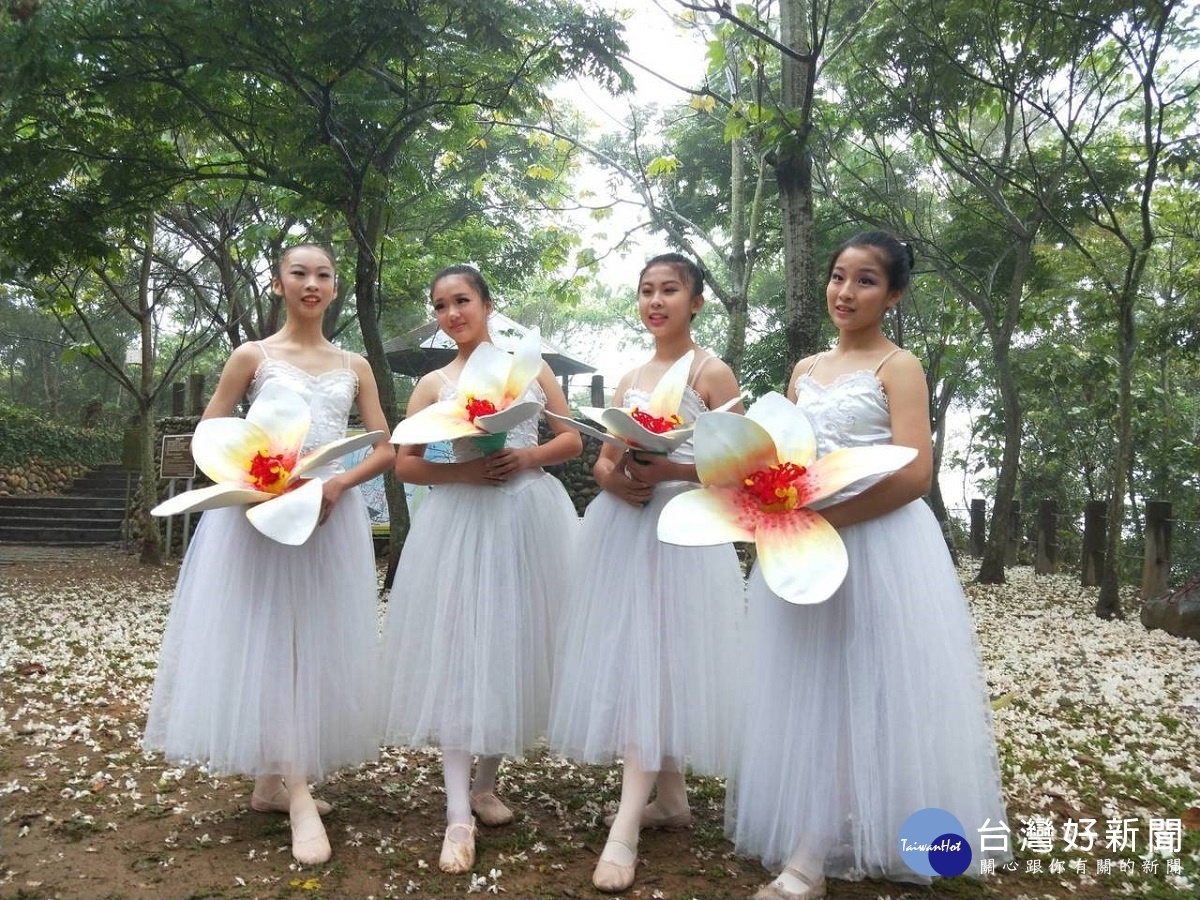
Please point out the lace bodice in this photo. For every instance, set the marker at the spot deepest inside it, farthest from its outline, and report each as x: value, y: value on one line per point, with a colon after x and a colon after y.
x: 523, y: 435
x: 329, y: 394
x: 689, y: 408
x: 851, y: 411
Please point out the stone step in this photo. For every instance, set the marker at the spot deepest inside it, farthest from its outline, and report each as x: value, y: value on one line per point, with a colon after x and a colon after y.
x: 52, y: 518
x: 62, y: 501
x: 70, y: 533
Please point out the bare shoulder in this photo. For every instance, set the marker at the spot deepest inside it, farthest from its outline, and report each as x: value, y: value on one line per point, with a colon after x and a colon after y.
x: 361, y: 367
x: 904, y: 364
x: 902, y: 375
x: 243, y: 362
x: 425, y: 392
x: 802, y: 367
x: 715, y: 374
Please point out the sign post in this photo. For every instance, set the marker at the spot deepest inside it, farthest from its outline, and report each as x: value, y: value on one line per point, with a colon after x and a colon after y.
x: 176, y: 464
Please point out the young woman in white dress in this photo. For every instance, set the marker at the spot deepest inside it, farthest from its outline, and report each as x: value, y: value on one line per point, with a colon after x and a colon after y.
x: 647, y: 665
x: 268, y: 665
x: 871, y: 706
x: 484, y: 568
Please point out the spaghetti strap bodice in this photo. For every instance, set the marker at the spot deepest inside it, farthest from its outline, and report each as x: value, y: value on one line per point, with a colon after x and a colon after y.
x: 330, y: 394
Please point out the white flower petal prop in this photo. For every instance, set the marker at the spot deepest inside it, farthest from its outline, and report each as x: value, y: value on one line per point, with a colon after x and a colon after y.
x: 488, y: 399
x: 759, y: 473
x: 657, y: 428
x: 290, y: 518
x: 256, y: 462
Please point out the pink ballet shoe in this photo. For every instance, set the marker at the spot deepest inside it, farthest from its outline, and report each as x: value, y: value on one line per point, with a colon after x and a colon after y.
x: 652, y: 819
x: 310, y: 844
x: 611, y: 877
x: 814, y: 888
x: 280, y: 802
x: 489, y: 809
x: 458, y: 853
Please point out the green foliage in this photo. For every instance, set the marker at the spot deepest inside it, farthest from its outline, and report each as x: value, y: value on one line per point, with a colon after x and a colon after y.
x: 25, y: 436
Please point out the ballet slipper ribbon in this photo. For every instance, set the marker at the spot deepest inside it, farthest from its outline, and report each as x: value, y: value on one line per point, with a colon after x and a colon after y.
x: 488, y: 399
x: 759, y: 475
x: 258, y: 462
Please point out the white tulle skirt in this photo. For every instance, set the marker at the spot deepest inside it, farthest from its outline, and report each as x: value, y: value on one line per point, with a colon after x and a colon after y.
x: 865, y: 709
x: 468, y: 645
x: 269, y: 661
x: 648, y: 656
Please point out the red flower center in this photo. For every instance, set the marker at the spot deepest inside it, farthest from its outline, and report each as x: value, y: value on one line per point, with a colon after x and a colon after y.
x: 775, y: 488
x: 267, y: 471
x: 478, y: 407
x: 656, y: 424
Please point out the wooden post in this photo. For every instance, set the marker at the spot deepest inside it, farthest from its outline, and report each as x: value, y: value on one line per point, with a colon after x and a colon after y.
x: 598, y: 391
x: 566, y: 385
x: 178, y: 396
x: 978, y: 526
x: 1046, y: 562
x: 1095, y: 529
x: 1156, y: 568
x: 195, y: 392
x: 1014, y: 534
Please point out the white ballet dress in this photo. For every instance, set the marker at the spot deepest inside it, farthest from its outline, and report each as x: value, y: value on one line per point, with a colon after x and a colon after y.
x: 871, y: 706
x: 647, y: 660
x: 470, y: 622
x: 269, y: 661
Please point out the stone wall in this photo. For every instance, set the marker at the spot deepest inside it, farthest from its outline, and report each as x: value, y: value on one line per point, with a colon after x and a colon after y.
x: 38, y: 478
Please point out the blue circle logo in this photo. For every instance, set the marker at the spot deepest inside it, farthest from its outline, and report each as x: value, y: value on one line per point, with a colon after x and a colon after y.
x: 932, y: 842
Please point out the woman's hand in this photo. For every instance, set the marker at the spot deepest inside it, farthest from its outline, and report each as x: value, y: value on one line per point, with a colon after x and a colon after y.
x: 331, y: 492
x: 619, y: 480
x: 505, y: 463
x: 655, y: 468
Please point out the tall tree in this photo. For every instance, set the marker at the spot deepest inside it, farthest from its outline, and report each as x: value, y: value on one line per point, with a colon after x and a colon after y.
x: 348, y: 107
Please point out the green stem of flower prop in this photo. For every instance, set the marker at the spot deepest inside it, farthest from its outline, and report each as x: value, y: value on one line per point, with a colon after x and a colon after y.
x: 490, y: 443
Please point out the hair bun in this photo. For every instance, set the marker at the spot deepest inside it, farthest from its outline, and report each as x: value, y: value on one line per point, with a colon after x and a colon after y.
x: 909, y: 254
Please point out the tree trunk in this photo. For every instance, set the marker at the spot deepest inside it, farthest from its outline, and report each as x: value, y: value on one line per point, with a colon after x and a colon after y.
x: 366, y: 280
x: 793, y: 174
x: 147, y: 493
x: 735, y: 335
x: 991, y: 567
x: 1108, y: 603
x: 152, y: 549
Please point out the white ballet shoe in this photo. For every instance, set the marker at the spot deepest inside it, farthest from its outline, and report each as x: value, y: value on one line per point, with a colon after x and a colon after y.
x: 310, y: 844
x: 612, y: 877
x: 490, y: 810
x: 813, y: 888
x: 653, y: 819
x: 458, y: 848
x: 280, y: 802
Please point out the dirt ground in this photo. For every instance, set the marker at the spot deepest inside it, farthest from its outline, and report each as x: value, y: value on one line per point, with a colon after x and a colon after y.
x: 85, y: 815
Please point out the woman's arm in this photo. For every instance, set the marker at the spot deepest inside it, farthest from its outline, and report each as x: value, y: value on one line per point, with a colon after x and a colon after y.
x: 716, y: 386
x: 234, y: 382
x: 903, y: 380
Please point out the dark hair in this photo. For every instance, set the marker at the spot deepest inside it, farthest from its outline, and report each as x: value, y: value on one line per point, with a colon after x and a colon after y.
x: 897, y: 256
x: 288, y: 251
x: 470, y: 273
x: 689, y: 270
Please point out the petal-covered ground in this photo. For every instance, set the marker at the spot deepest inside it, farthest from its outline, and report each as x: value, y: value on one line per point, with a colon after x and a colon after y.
x: 1096, y: 721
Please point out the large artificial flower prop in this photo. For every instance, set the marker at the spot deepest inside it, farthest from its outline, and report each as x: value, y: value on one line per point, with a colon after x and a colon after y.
x: 257, y: 462
x: 759, y: 474
x: 488, y: 400
x: 657, y: 427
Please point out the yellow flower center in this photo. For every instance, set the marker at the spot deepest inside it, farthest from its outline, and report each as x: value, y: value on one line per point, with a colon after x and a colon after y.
x: 268, y: 472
